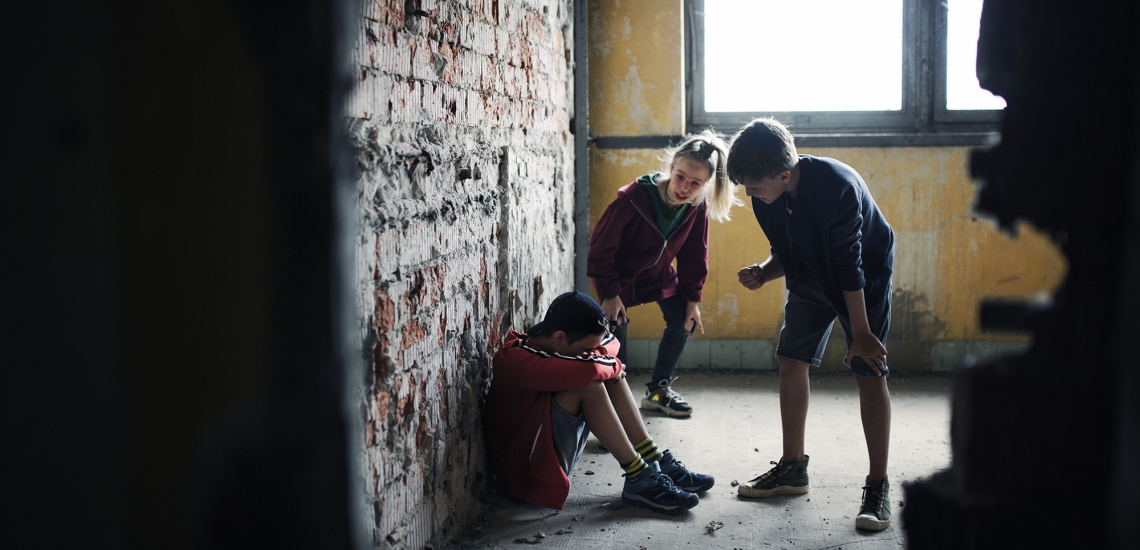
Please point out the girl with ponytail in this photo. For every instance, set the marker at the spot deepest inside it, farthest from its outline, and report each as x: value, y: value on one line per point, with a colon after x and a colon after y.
x: 655, y: 219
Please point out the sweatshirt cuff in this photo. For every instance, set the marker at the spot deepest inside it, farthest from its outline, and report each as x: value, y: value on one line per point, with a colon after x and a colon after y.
x: 606, y: 291
x: 851, y: 284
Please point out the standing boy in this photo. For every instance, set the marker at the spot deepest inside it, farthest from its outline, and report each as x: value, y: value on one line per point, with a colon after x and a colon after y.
x: 554, y: 385
x: 836, y: 252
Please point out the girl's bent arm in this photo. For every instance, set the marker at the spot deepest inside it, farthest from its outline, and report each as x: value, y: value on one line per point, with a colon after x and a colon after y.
x: 603, y: 246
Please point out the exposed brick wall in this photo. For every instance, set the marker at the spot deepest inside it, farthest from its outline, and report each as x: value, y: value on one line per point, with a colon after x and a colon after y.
x: 460, y: 120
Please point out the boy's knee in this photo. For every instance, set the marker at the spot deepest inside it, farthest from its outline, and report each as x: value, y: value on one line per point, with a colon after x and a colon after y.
x: 789, y: 366
x: 596, y: 386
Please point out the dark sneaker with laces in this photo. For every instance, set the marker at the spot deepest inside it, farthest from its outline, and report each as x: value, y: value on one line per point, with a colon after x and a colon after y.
x: 875, y: 513
x: 664, y: 399
x: 657, y: 492
x: 786, y: 478
x: 682, y: 477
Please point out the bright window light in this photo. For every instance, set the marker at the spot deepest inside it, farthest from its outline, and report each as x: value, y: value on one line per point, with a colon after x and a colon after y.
x: 804, y: 55
x: 962, y: 89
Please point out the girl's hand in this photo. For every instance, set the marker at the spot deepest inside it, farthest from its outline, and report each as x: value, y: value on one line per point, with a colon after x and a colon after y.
x: 693, y: 318
x: 752, y: 277
x: 615, y: 310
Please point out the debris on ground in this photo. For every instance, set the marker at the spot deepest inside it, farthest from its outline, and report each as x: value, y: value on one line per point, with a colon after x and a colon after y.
x: 611, y: 506
x: 579, y: 518
x: 900, y: 504
x: 713, y: 526
x: 566, y: 531
x: 589, y: 472
x: 537, y: 538
x: 735, y: 483
x: 757, y: 449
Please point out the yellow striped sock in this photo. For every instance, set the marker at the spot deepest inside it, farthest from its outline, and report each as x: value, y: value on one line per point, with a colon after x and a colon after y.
x: 633, y: 469
x: 648, y: 450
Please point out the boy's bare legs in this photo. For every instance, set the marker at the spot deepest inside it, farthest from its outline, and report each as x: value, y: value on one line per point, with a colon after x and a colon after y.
x: 875, y: 410
x: 789, y: 476
x: 594, y: 403
x: 621, y: 397
x: 795, y: 391
x: 615, y: 427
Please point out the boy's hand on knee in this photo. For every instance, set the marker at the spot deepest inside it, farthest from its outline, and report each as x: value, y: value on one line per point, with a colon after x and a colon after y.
x: 752, y: 277
x: 867, y: 346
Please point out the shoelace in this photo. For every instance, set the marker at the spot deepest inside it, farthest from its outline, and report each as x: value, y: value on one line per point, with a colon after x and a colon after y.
x: 779, y: 469
x: 669, y: 394
x: 673, y: 396
x: 661, y: 478
x: 679, y: 469
x: 875, y: 504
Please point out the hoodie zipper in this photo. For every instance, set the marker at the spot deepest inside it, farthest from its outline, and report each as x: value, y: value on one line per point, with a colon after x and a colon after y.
x: 664, y: 245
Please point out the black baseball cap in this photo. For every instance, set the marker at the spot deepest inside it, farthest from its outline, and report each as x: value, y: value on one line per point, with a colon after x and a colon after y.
x: 573, y: 312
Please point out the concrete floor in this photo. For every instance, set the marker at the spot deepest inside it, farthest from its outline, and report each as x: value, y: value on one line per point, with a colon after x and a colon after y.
x: 733, y: 434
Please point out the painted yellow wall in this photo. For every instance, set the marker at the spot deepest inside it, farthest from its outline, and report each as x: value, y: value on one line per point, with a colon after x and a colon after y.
x: 637, y: 81
x: 947, y: 258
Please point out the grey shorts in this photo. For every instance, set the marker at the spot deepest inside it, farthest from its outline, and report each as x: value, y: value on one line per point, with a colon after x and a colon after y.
x: 570, y: 433
x: 808, y: 318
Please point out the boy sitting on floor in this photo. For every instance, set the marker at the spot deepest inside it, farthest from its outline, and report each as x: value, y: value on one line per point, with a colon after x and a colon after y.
x: 554, y: 385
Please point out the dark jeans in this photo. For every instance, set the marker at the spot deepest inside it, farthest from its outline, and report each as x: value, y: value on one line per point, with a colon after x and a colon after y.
x: 672, y: 341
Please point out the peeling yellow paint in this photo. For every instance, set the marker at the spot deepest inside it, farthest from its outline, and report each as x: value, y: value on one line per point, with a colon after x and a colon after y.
x: 637, y: 82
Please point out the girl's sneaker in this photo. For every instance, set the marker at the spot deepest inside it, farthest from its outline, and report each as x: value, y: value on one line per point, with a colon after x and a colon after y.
x: 682, y: 477
x: 656, y: 492
x: 664, y: 399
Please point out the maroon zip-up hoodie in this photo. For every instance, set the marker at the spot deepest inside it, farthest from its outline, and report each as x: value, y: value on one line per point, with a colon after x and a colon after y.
x: 630, y: 258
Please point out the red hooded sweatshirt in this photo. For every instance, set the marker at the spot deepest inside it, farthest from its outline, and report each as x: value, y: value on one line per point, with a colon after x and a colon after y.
x: 630, y: 258
x: 517, y: 415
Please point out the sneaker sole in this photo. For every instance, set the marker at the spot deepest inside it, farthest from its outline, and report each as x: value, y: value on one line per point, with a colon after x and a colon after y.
x: 640, y: 502
x: 651, y: 406
x: 752, y: 492
x: 871, y: 524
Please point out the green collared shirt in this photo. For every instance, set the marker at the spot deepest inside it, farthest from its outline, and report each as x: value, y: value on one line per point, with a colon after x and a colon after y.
x: 665, y: 217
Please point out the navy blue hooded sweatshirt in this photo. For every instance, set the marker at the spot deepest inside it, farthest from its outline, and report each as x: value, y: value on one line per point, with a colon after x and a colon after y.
x: 835, y: 234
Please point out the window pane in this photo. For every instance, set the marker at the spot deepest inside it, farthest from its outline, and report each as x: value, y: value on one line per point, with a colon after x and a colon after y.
x: 806, y: 55
x: 962, y: 89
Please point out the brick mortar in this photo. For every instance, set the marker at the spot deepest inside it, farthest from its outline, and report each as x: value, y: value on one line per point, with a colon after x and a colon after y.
x: 460, y: 122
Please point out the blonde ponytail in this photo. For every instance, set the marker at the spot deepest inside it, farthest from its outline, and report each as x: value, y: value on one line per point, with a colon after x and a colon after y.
x: 708, y: 148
